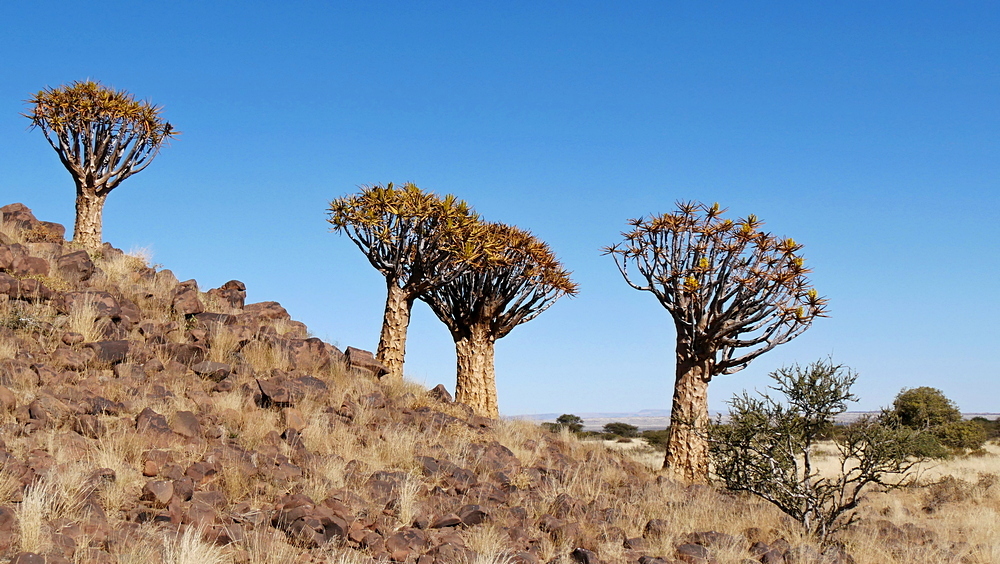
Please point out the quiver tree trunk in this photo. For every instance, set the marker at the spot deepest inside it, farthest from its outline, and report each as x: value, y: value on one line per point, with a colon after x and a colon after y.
x: 476, y: 379
x: 392, y: 342
x: 87, y: 230
x: 687, y: 444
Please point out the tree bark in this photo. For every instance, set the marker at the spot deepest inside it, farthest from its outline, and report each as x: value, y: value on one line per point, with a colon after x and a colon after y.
x: 476, y: 380
x: 87, y: 230
x: 687, y: 444
x: 392, y: 342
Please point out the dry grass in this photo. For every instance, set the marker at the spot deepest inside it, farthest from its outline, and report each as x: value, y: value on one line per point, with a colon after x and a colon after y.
x: 187, y: 547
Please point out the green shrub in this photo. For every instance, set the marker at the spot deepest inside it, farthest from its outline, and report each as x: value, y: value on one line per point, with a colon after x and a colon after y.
x: 767, y: 448
x: 924, y: 408
x: 962, y: 435
x: 657, y: 439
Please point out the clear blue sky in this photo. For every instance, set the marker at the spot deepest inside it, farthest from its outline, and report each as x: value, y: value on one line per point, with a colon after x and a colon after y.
x: 870, y: 132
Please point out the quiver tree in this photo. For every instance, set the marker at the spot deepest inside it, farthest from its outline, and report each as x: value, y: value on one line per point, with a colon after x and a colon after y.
x: 417, y: 240
x: 734, y: 292
x: 102, y: 137
x: 484, y: 304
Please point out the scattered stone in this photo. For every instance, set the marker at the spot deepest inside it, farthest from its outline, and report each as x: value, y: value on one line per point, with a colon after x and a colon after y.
x: 158, y: 492
x: 215, y: 371
x: 363, y: 360
x: 75, y: 267
x: 110, y: 352
x: 186, y: 424
x: 440, y: 393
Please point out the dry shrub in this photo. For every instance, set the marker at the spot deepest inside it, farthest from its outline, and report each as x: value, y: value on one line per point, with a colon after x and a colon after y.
x: 59, y: 494
x: 223, y: 344
x: 10, y: 486
x: 491, y: 544
x: 264, y: 357
x: 187, y: 547
x: 84, y: 319
x: 268, y: 546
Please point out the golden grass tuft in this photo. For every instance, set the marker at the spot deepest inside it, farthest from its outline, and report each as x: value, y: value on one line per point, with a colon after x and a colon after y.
x: 187, y: 547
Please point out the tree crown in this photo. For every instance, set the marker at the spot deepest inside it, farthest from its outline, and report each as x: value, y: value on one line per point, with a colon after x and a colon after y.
x: 522, y: 279
x: 102, y: 135
x: 730, y: 286
x: 415, y: 238
x: 924, y: 407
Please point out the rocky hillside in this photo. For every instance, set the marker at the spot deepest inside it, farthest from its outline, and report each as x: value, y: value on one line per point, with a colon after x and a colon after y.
x: 145, y: 420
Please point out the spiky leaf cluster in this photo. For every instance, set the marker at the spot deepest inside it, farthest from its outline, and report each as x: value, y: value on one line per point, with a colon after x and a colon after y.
x: 523, y: 279
x: 102, y: 135
x: 734, y: 290
x: 416, y: 239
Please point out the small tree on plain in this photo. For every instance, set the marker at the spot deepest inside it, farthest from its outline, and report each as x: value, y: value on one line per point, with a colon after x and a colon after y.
x: 924, y: 407
x: 734, y: 292
x: 485, y: 303
x: 767, y: 448
x: 938, y: 419
x: 572, y: 422
x: 621, y: 429
x: 102, y: 137
x: 417, y: 240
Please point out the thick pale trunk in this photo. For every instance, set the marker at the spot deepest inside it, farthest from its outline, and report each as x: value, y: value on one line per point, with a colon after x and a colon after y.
x: 687, y: 445
x: 87, y: 231
x: 392, y: 342
x: 476, y: 384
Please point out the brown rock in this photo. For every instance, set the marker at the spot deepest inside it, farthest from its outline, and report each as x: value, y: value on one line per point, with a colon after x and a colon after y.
x: 440, y: 393
x: 655, y: 529
x: 88, y: 426
x: 104, y: 303
x: 8, y: 401
x: 18, y: 214
x: 694, y: 554
x: 584, y: 556
x: 186, y: 424
x: 150, y: 468
x: 309, y: 354
x: 187, y: 354
x: 75, y: 267
x: 293, y: 419
x: 266, y: 310
x: 185, y: 299
x: 234, y: 292
x: 471, y: 515
x: 358, y: 359
x: 70, y: 338
x: 29, y: 266
x: 28, y: 558
x: 109, y: 352
x: 158, y: 492
x: 215, y: 371
x: 149, y: 421
x: 405, y: 542
x: 72, y: 359
x: 449, y: 520
x: 9, y: 531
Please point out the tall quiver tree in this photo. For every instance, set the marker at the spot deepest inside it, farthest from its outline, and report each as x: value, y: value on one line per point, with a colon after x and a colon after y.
x: 417, y: 240
x: 484, y: 304
x: 102, y: 136
x: 734, y: 292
